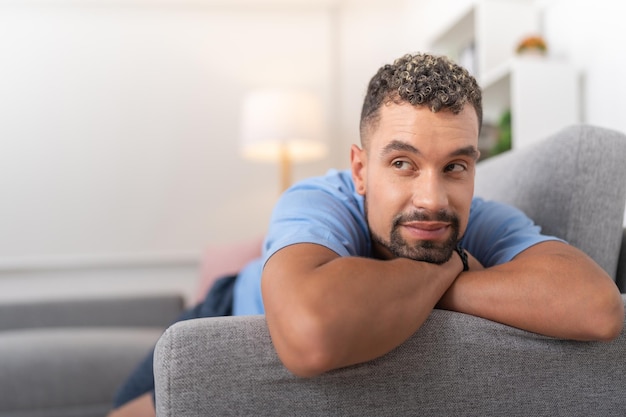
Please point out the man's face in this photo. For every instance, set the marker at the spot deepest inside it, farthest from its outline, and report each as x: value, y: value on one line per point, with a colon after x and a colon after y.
x: 417, y: 176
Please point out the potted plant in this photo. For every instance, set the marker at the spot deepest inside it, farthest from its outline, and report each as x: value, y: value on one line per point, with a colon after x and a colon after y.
x: 532, y: 45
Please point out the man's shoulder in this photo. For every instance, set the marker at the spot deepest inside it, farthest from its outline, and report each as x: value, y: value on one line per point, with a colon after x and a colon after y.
x: 482, y: 209
x: 324, y: 210
x: 335, y: 188
x: 497, y: 232
x: 334, y: 181
x: 334, y: 191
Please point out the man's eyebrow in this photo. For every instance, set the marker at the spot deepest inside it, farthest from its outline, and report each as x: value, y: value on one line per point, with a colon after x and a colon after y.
x: 397, y: 145
x: 470, y: 151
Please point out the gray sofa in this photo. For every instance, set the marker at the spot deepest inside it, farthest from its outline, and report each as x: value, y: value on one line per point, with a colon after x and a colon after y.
x: 574, y: 186
x: 65, y: 358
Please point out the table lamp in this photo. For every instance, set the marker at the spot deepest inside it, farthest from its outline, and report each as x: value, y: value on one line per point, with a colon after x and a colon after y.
x: 283, y: 126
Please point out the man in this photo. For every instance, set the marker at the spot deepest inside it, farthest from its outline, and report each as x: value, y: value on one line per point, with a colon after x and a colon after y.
x: 354, y: 262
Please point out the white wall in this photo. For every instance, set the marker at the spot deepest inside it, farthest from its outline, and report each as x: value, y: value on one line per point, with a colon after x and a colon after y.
x: 591, y: 35
x: 120, y: 124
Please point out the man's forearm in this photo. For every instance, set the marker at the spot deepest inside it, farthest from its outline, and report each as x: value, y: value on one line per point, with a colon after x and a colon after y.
x: 551, y: 289
x: 346, y: 310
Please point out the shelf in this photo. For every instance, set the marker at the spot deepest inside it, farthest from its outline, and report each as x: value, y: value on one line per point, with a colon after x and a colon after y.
x: 491, y: 28
x: 542, y: 94
x: 496, y: 87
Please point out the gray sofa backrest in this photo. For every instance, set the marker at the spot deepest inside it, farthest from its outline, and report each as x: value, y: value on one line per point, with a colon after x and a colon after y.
x: 573, y: 185
x: 455, y: 365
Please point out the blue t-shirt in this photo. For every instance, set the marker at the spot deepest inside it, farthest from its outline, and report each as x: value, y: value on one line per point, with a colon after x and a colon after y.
x: 328, y: 211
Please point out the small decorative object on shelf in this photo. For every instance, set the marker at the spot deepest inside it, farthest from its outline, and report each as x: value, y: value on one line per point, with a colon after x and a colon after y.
x: 532, y: 45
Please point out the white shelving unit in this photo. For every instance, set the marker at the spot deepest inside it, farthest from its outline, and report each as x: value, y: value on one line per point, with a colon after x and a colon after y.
x: 541, y: 93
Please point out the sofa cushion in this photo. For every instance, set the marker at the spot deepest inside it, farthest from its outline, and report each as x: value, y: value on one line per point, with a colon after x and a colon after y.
x: 585, y: 207
x: 125, y: 311
x: 64, y: 372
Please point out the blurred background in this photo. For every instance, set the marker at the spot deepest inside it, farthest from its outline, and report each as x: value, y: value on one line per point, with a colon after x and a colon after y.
x: 122, y: 149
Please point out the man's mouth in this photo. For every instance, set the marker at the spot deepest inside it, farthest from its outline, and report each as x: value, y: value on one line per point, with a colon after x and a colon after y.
x: 427, y: 230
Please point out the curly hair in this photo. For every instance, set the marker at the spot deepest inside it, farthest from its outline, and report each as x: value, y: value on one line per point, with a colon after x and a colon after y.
x: 422, y: 80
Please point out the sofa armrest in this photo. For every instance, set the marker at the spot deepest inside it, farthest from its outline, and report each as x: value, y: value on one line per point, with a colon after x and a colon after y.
x: 127, y: 311
x: 455, y: 364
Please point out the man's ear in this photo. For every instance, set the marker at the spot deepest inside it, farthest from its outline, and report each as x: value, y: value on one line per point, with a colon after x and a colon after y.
x: 358, y: 161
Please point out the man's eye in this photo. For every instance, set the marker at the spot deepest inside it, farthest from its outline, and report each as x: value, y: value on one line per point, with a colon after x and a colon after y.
x: 401, y: 165
x: 456, y: 167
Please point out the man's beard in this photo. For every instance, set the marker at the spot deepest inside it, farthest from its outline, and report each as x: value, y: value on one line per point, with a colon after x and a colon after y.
x: 422, y: 250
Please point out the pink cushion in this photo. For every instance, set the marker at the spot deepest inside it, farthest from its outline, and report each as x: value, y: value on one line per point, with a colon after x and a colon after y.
x: 221, y: 260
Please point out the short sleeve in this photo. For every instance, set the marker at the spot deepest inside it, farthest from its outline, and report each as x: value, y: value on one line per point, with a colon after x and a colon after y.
x: 497, y: 232
x: 324, y: 211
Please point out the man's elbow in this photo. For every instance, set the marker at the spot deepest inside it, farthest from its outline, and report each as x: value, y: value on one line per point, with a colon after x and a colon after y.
x: 614, y: 326
x: 607, y: 324
x: 304, y: 348
x: 306, y: 358
x: 306, y: 365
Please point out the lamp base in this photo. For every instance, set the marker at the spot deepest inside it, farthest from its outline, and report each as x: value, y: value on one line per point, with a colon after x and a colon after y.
x: 285, y: 169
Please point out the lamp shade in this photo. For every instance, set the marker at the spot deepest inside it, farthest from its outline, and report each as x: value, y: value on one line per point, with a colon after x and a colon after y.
x: 282, y: 123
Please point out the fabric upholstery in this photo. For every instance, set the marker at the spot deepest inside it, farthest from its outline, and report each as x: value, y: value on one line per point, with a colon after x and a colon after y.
x: 67, y: 357
x: 152, y: 310
x: 67, y: 371
x: 454, y: 365
x: 572, y: 184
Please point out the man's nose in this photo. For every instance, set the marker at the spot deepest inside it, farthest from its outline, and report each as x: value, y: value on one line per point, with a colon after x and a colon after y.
x: 430, y: 192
